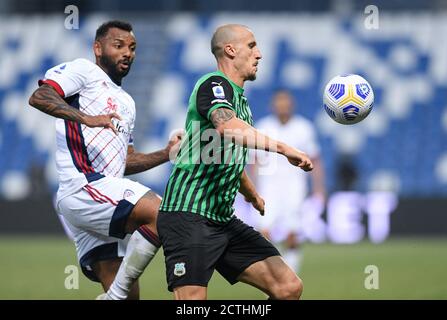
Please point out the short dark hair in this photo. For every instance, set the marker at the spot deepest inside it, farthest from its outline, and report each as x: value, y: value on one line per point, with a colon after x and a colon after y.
x: 102, y: 30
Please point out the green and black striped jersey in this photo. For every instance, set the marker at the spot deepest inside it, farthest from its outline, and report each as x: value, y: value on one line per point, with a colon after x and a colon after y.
x: 207, y: 172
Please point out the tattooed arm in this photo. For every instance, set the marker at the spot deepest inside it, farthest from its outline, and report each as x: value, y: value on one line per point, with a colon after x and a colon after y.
x: 229, y: 126
x: 47, y: 100
x: 138, y: 162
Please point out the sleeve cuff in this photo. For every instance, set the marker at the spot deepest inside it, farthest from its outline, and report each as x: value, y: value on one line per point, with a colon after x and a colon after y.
x: 54, y: 84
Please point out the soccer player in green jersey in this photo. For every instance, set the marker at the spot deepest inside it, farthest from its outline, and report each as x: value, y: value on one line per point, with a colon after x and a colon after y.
x: 196, y: 225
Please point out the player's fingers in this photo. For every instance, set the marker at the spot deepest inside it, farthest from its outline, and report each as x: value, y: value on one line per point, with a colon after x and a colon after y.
x: 178, y: 133
x: 112, y: 126
x: 114, y: 115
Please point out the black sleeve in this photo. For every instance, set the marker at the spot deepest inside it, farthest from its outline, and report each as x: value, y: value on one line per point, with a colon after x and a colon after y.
x: 215, y: 92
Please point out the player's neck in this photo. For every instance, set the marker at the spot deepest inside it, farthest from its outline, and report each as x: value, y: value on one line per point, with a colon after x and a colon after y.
x: 284, y: 119
x: 115, y: 79
x: 231, y: 73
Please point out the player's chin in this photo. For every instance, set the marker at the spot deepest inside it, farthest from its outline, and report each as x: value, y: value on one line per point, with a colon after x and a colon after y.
x: 122, y: 72
x: 252, y: 76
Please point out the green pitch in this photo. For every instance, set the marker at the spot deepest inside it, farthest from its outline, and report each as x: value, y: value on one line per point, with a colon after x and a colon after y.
x: 34, y: 268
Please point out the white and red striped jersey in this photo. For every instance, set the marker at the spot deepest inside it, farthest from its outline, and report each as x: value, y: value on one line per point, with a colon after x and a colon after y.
x: 85, y: 154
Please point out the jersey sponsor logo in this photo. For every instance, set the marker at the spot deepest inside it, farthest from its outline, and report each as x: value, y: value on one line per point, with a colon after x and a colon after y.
x: 179, y: 269
x: 219, y: 92
x: 121, y: 127
x: 111, y: 105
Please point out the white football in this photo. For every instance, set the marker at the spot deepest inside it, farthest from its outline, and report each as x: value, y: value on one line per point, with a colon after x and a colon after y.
x: 348, y: 99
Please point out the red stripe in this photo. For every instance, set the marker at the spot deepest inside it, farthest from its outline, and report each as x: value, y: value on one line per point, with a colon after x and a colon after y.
x: 146, y: 229
x: 148, y: 233
x: 72, y: 145
x: 53, y: 84
x: 94, y: 197
x: 82, y: 155
x: 77, y: 148
x: 94, y: 193
x: 106, y: 197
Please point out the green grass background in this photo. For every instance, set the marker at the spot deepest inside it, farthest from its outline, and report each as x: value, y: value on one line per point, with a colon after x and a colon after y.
x: 413, y: 268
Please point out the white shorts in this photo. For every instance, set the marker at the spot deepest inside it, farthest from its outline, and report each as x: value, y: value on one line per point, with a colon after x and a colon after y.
x: 283, y: 216
x: 96, y: 216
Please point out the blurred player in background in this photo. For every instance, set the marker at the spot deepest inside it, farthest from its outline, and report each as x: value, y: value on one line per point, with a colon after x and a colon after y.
x: 94, y: 151
x: 283, y: 188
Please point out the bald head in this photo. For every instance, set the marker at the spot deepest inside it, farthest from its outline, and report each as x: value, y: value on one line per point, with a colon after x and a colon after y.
x: 226, y: 34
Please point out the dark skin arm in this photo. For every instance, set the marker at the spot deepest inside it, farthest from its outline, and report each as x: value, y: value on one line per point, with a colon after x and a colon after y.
x: 47, y: 100
x: 138, y: 162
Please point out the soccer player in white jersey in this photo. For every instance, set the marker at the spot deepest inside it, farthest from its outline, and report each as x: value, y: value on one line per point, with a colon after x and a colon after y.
x: 283, y: 188
x: 95, y: 121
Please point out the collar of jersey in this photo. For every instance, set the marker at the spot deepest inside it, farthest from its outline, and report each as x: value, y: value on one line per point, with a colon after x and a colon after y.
x: 241, y: 90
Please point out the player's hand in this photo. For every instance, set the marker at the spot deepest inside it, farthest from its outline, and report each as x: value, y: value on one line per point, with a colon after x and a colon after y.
x: 258, y: 203
x: 298, y: 158
x: 174, y: 143
x: 103, y: 120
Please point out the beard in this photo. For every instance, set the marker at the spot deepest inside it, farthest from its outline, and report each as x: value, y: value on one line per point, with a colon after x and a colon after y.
x: 112, y: 68
x: 251, y: 77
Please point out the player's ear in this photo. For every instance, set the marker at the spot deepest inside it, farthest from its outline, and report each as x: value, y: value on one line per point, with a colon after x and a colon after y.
x: 230, y: 50
x: 97, y: 49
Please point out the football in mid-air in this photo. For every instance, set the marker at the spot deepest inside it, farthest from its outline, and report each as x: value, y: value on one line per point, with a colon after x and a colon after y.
x: 348, y: 99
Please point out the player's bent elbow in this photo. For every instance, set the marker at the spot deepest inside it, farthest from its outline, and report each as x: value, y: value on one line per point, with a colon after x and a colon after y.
x: 32, y: 100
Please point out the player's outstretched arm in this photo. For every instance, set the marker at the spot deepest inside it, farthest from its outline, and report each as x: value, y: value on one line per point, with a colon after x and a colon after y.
x: 248, y: 190
x: 47, y: 100
x: 137, y: 162
x: 231, y: 127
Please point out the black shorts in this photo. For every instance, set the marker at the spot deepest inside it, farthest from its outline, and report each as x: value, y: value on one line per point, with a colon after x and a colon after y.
x: 194, y: 246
